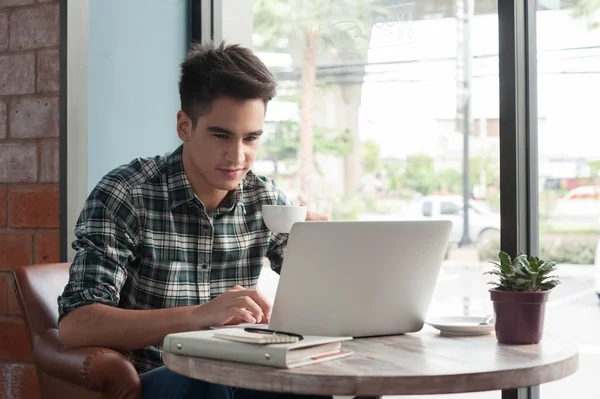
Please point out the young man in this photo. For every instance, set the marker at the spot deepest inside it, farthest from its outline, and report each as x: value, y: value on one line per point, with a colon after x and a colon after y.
x: 176, y: 242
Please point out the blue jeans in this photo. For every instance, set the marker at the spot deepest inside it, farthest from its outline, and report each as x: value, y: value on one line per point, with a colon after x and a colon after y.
x: 162, y: 383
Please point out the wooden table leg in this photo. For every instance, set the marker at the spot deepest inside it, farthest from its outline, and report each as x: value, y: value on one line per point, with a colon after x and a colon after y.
x: 522, y: 393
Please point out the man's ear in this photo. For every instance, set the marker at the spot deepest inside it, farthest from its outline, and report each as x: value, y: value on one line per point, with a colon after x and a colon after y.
x: 184, y: 126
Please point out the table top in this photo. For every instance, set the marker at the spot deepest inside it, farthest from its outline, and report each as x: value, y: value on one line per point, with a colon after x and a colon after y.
x: 413, y: 364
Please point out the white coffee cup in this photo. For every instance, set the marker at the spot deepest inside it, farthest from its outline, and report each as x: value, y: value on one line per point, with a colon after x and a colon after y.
x: 280, y: 218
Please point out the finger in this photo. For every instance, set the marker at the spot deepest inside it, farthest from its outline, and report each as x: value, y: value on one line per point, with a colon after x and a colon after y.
x: 263, y: 302
x: 316, y: 216
x: 241, y: 314
x: 260, y: 300
x: 234, y: 289
x: 234, y: 321
x: 266, y: 318
x: 248, y: 303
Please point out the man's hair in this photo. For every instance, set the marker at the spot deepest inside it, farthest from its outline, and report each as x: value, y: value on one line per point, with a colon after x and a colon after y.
x: 209, y: 72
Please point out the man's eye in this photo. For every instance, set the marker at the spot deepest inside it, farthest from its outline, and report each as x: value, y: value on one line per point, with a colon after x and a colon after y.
x: 221, y: 136
x: 251, y: 138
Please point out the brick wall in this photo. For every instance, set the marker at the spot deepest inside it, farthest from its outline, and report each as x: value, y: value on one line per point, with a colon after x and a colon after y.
x: 29, y: 174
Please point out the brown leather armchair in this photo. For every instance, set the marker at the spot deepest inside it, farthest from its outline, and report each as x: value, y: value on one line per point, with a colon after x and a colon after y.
x: 82, y: 373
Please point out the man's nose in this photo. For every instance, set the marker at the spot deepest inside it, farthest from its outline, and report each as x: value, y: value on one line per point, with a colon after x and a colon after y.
x: 235, y: 154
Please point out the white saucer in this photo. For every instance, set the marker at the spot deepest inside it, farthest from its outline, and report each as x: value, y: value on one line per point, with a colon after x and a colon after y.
x: 461, y: 325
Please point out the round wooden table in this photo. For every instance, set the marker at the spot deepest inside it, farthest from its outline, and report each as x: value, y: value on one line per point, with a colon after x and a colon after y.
x: 413, y: 364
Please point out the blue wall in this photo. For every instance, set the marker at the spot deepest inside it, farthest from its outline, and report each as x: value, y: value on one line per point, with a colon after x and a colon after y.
x: 135, y: 48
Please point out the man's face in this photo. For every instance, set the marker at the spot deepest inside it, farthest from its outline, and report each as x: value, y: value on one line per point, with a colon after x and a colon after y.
x: 223, y: 144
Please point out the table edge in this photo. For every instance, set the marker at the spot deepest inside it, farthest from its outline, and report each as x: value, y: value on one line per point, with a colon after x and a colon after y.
x: 276, y: 381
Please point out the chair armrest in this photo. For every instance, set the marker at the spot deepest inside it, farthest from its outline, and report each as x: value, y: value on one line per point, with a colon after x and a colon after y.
x: 98, y: 369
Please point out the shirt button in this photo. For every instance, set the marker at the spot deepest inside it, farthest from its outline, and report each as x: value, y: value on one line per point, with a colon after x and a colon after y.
x: 205, y: 266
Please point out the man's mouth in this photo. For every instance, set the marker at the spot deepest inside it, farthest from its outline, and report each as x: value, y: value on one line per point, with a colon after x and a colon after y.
x: 231, y: 173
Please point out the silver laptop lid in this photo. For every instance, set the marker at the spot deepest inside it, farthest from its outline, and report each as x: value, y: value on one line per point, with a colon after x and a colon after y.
x: 366, y: 278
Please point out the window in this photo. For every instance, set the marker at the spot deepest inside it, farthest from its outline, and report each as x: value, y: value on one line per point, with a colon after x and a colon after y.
x: 387, y: 92
x: 568, y: 52
x: 427, y: 209
x: 355, y: 130
x: 449, y: 208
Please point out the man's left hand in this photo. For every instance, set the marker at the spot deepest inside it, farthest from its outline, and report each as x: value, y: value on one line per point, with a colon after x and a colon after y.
x: 316, y: 216
x: 310, y: 215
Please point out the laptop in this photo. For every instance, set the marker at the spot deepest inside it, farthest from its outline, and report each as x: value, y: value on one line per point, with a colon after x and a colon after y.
x: 359, y: 278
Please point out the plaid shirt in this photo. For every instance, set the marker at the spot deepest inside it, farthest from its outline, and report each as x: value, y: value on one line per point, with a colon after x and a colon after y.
x: 145, y: 241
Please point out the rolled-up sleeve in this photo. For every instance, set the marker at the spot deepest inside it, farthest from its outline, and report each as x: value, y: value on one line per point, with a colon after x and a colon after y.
x: 105, y: 242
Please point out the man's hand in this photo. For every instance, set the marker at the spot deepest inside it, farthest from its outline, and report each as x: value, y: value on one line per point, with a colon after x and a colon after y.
x: 238, y: 305
x: 316, y: 216
x: 310, y: 215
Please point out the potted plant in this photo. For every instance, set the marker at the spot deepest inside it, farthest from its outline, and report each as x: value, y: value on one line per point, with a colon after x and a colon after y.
x: 520, y: 297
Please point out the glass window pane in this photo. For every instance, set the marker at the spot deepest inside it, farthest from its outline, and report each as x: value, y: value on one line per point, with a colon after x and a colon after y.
x: 376, y: 99
x: 568, y: 41
x: 448, y: 208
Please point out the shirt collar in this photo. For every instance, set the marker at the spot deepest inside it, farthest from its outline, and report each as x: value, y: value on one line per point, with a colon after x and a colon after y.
x: 181, y: 191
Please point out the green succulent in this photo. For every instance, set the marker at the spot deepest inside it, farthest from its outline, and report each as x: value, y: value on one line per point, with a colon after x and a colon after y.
x: 523, y: 273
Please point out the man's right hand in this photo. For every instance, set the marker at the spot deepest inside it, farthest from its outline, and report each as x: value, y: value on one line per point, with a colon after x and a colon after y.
x: 129, y: 329
x: 238, y: 305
